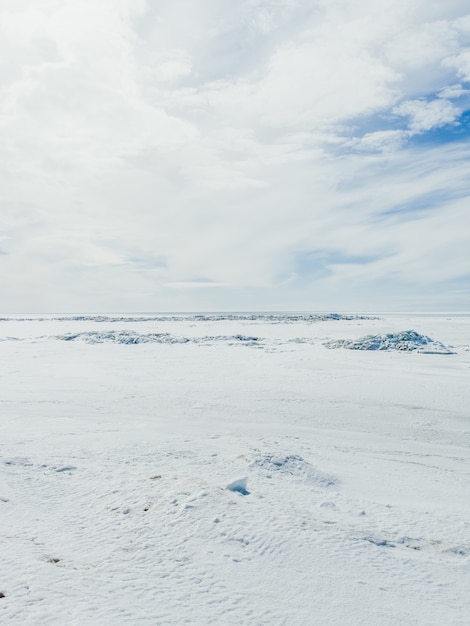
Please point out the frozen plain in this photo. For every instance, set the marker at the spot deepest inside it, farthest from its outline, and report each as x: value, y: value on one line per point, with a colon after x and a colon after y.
x: 122, y: 492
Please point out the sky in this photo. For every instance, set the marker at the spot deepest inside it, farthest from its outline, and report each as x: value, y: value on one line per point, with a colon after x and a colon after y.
x: 210, y: 155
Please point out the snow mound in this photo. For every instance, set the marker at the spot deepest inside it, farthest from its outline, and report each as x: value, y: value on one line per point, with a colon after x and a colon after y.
x: 405, y: 341
x: 291, y: 465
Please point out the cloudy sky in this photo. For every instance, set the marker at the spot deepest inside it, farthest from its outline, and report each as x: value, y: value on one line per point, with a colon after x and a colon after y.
x: 162, y: 155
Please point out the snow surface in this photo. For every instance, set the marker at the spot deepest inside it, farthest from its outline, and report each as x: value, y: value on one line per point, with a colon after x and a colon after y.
x: 243, y: 473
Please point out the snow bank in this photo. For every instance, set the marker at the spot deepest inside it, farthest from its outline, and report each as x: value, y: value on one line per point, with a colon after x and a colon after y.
x: 405, y: 341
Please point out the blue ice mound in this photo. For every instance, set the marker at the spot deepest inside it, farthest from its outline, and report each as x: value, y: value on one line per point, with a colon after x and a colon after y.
x: 404, y: 341
x: 239, y: 486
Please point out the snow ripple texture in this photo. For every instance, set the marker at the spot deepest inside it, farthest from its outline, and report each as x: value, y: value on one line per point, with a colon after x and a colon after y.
x: 404, y: 341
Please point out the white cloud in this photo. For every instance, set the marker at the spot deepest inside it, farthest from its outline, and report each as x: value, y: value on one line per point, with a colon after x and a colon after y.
x: 148, y: 144
x: 453, y: 91
x: 421, y: 45
x: 424, y: 116
x: 382, y: 140
x: 461, y: 63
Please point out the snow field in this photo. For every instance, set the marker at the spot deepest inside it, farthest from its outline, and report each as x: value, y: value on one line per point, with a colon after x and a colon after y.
x: 122, y: 492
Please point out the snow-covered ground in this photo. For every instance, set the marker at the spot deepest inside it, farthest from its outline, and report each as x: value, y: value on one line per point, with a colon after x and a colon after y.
x: 235, y: 470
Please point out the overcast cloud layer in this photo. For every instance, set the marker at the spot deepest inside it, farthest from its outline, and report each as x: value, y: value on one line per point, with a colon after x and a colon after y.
x: 258, y: 154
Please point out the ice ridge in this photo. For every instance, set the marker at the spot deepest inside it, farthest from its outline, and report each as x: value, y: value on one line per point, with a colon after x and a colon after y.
x: 131, y: 337
x: 405, y: 341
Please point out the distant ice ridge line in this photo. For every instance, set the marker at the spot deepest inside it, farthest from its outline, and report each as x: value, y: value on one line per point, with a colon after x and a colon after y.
x: 274, y: 318
x: 405, y: 341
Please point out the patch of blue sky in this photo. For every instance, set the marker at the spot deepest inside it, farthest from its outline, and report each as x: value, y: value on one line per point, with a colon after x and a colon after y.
x: 458, y: 130
x: 449, y: 133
